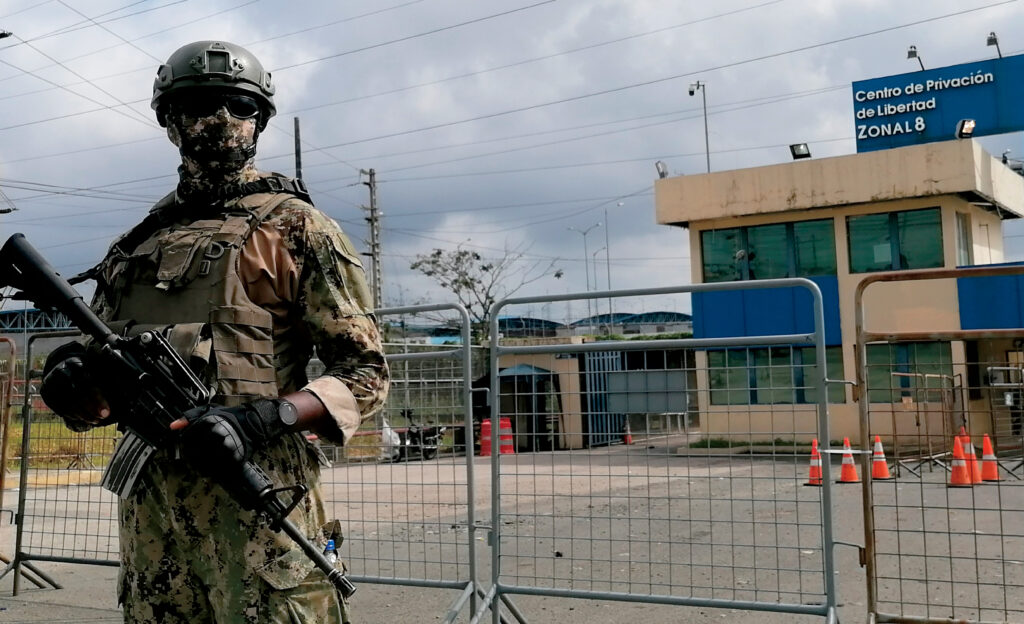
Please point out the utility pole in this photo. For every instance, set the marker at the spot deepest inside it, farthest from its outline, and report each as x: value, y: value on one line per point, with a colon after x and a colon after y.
x: 298, y: 151
x: 374, y: 221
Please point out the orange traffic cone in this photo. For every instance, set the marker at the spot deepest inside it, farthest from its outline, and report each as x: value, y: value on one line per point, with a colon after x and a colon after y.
x: 815, y: 476
x: 849, y: 471
x: 879, y: 468
x: 973, y: 465
x: 627, y: 434
x: 989, y: 465
x: 960, y: 476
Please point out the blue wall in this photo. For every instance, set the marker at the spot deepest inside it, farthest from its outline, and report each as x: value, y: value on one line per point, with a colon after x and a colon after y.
x: 991, y: 302
x: 762, y: 312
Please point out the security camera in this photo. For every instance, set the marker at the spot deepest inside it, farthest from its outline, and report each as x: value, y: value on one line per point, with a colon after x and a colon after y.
x: 692, y: 89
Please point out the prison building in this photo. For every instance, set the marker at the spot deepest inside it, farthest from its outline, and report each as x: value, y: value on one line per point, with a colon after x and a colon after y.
x: 836, y: 221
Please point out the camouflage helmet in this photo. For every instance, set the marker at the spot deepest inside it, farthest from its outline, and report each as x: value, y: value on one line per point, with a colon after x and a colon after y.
x: 213, y: 65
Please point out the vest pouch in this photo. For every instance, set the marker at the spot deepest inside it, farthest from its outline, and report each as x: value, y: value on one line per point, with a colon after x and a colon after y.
x: 182, y: 257
x: 124, y: 267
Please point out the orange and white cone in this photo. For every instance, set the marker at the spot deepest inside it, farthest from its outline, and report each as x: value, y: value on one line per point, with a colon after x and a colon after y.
x: 973, y: 465
x: 815, y: 476
x: 627, y: 434
x: 849, y: 470
x: 879, y: 467
x: 989, y: 465
x: 960, y: 475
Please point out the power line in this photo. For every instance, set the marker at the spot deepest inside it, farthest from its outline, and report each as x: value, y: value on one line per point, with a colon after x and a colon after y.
x: 602, y: 92
x: 94, y: 101
x: 94, y: 22
x: 653, y: 81
x: 416, y: 36
x: 720, y: 110
x: 335, y: 23
x: 537, y: 58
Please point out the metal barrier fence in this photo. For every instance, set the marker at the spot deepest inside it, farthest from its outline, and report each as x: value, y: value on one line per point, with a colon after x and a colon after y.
x: 407, y: 501
x: 63, y: 515
x: 408, y: 517
x: 676, y: 519
x: 943, y: 542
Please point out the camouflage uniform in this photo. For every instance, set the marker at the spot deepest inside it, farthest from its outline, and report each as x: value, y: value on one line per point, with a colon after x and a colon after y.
x: 189, y: 553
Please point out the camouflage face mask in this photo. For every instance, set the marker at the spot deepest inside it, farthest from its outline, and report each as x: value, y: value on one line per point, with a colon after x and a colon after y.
x: 217, y: 141
x: 216, y: 149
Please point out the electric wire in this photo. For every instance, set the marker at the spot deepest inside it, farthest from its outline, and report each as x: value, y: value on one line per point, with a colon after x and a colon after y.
x: 653, y: 81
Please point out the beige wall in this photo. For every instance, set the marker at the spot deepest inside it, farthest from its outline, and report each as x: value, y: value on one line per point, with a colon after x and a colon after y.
x: 570, y: 418
x: 919, y: 171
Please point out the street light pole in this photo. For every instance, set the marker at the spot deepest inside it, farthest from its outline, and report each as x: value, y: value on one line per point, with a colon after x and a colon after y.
x: 586, y: 262
x: 608, y: 262
x: 694, y: 86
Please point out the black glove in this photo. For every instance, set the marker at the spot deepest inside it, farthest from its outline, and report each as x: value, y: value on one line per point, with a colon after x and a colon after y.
x: 218, y: 434
x: 71, y: 387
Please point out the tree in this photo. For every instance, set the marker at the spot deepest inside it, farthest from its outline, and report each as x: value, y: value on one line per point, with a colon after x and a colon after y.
x: 478, y: 282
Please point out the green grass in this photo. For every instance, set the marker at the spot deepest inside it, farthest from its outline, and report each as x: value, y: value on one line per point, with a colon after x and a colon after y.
x: 53, y: 445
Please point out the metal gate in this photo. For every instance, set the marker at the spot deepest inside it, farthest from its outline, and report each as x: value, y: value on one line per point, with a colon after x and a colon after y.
x: 670, y: 520
x: 942, y: 544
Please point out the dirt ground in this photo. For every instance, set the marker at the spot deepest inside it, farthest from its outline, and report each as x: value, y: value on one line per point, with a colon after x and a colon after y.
x: 641, y: 520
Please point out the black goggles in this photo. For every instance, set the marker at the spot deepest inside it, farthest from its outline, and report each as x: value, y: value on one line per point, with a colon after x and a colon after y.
x: 239, y: 106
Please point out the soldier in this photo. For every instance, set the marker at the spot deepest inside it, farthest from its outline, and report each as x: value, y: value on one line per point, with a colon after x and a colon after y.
x: 246, y: 279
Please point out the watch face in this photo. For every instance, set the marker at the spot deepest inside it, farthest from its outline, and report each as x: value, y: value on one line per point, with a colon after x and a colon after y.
x: 287, y: 413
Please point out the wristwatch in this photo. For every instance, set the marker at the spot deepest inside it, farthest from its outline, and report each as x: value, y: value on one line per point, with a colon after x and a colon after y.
x: 287, y: 412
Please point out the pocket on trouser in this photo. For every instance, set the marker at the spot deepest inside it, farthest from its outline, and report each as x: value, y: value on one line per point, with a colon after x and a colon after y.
x: 313, y: 601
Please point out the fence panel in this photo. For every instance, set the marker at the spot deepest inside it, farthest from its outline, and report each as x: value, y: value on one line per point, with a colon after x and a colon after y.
x: 404, y: 485
x: 407, y: 509
x: 663, y: 514
x: 63, y: 513
x: 943, y: 543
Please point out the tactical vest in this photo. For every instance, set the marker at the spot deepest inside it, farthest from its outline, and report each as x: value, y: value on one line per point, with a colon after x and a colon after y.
x: 183, y: 278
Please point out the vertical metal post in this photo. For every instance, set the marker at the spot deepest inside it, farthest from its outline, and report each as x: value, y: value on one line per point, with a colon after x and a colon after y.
x: 707, y: 145
x: 374, y: 221
x: 827, y: 554
x: 608, y: 265
x: 495, y: 415
x: 298, y: 150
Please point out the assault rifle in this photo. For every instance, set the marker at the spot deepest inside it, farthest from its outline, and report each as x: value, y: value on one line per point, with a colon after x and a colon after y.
x: 156, y: 387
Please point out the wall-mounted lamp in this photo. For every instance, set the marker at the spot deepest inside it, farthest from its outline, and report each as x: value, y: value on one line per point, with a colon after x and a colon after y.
x: 912, y: 54
x: 662, y: 169
x: 994, y: 41
x: 799, y: 150
x: 965, y: 128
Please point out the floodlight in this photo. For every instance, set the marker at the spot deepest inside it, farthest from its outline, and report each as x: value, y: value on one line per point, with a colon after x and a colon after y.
x: 800, y: 150
x: 912, y: 54
x: 994, y: 41
x: 965, y: 128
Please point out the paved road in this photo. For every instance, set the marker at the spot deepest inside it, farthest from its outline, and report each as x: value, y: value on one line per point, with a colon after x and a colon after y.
x: 635, y: 519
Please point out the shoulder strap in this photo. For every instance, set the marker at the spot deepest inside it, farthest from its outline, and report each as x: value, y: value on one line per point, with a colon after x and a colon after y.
x: 269, y: 184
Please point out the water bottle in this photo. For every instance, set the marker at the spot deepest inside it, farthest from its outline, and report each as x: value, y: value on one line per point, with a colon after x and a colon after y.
x: 331, y: 553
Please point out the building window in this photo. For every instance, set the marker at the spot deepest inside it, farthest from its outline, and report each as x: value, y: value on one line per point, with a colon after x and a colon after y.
x: 912, y: 372
x: 892, y: 241
x: 798, y: 249
x: 771, y: 376
x: 964, y: 250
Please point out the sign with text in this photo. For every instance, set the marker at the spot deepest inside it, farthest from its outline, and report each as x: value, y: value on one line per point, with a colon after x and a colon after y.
x: 925, y: 106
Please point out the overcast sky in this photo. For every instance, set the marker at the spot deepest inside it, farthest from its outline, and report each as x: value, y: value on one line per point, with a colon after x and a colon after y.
x: 495, y: 124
